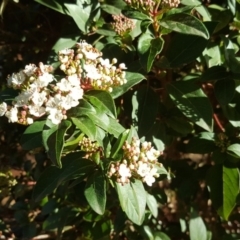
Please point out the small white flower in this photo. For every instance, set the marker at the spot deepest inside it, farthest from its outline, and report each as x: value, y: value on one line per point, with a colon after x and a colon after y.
x: 66, y: 51
x: 122, y: 66
x: 74, y: 80
x: 29, y: 120
x: 16, y: 79
x: 23, y: 98
x: 105, y: 62
x: 12, y: 115
x: 124, y: 172
x: 36, y: 111
x: 39, y: 98
x: 91, y: 55
x: 3, y: 108
x: 30, y: 69
x: 152, y: 154
x: 44, y: 79
x: 143, y: 169
x: 92, y: 72
x: 56, y: 116
x: 64, y: 85
x: 149, y: 179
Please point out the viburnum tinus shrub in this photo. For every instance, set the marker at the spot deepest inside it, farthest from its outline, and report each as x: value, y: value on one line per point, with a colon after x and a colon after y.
x: 140, y: 87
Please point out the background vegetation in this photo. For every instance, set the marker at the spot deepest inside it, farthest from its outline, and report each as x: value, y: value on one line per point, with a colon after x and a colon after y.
x: 182, y: 94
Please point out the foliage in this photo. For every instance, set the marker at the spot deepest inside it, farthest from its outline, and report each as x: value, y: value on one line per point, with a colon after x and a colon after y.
x: 120, y: 119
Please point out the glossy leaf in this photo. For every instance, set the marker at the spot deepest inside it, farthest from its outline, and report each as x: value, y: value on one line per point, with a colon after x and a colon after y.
x: 161, y: 236
x: 234, y: 149
x: 230, y: 190
x: 194, y: 104
x: 95, y: 192
x: 197, y: 228
x: 135, y: 14
x: 145, y: 109
x: 108, y: 124
x: 74, y: 166
x: 132, y: 79
x: 103, y: 101
x: 215, y: 73
x: 188, y: 48
x: 152, y: 204
x: 202, y: 143
x: 144, y: 43
x: 32, y: 136
x: 80, y: 15
x: 53, y: 4
x: 86, y: 125
x: 155, y: 48
x: 54, y: 140
x: 224, y: 91
x: 132, y: 198
x: 185, y: 23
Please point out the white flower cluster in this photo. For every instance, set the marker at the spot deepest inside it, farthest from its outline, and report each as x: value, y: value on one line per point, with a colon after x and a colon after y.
x: 38, y: 96
x: 139, y: 162
x: 94, y: 71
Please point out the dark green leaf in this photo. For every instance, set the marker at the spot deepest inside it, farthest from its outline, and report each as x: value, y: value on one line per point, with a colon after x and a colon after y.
x: 161, y: 236
x: 135, y: 14
x: 110, y: 9
x: 144, y: 43
x: 155, y: 48
x: 102, y: 100
x: 202, y: 143
x: 185, y: 23
x: 215, y: 73
x: 193, y: 103
x: 55, y: 5
x: 32, y: 137
x: 86, y: 125
x: 74, y: 166
x: 54, y: 141
x: 80, y: 15
x: 132, y: 198
x: 184, y: 48
x: 132, y: 79
x: 224, y: 91
x: 230, y: 190
x: 145, y: 108
x: 95, y: 192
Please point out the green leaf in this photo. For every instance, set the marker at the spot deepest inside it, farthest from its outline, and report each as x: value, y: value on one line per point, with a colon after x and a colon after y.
x: 144, y: 42
x: 74, y: 166
x: 54, y: 140
x: 32, y: 137
x: 135, y: 14
x: 215, y: 73
x: 224, y: 90
x: 132, y: 79
x: 202, y: 143
x: 155, y: 48
x: 95, y: 192
x: 152, y: 204
x: 145, y: 108
x: 224, y: 188
x: 53, y: 4
x: 65, y: 42
x: 132, y: 198
x: 103, y: 101
x: 86, y: 125
x: 110, y: 9
x: 193, y: 102
x: 80, y: 15
x: 161, y: 236
x: 230, y: 190
x: 184, y: 48
x: 119, y: 143
x: 230, y: 56
x: 232, y: 113
x: 197, y: 228
x: 234, y: 150
x: 186, y: 24
x: 108, y: 124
